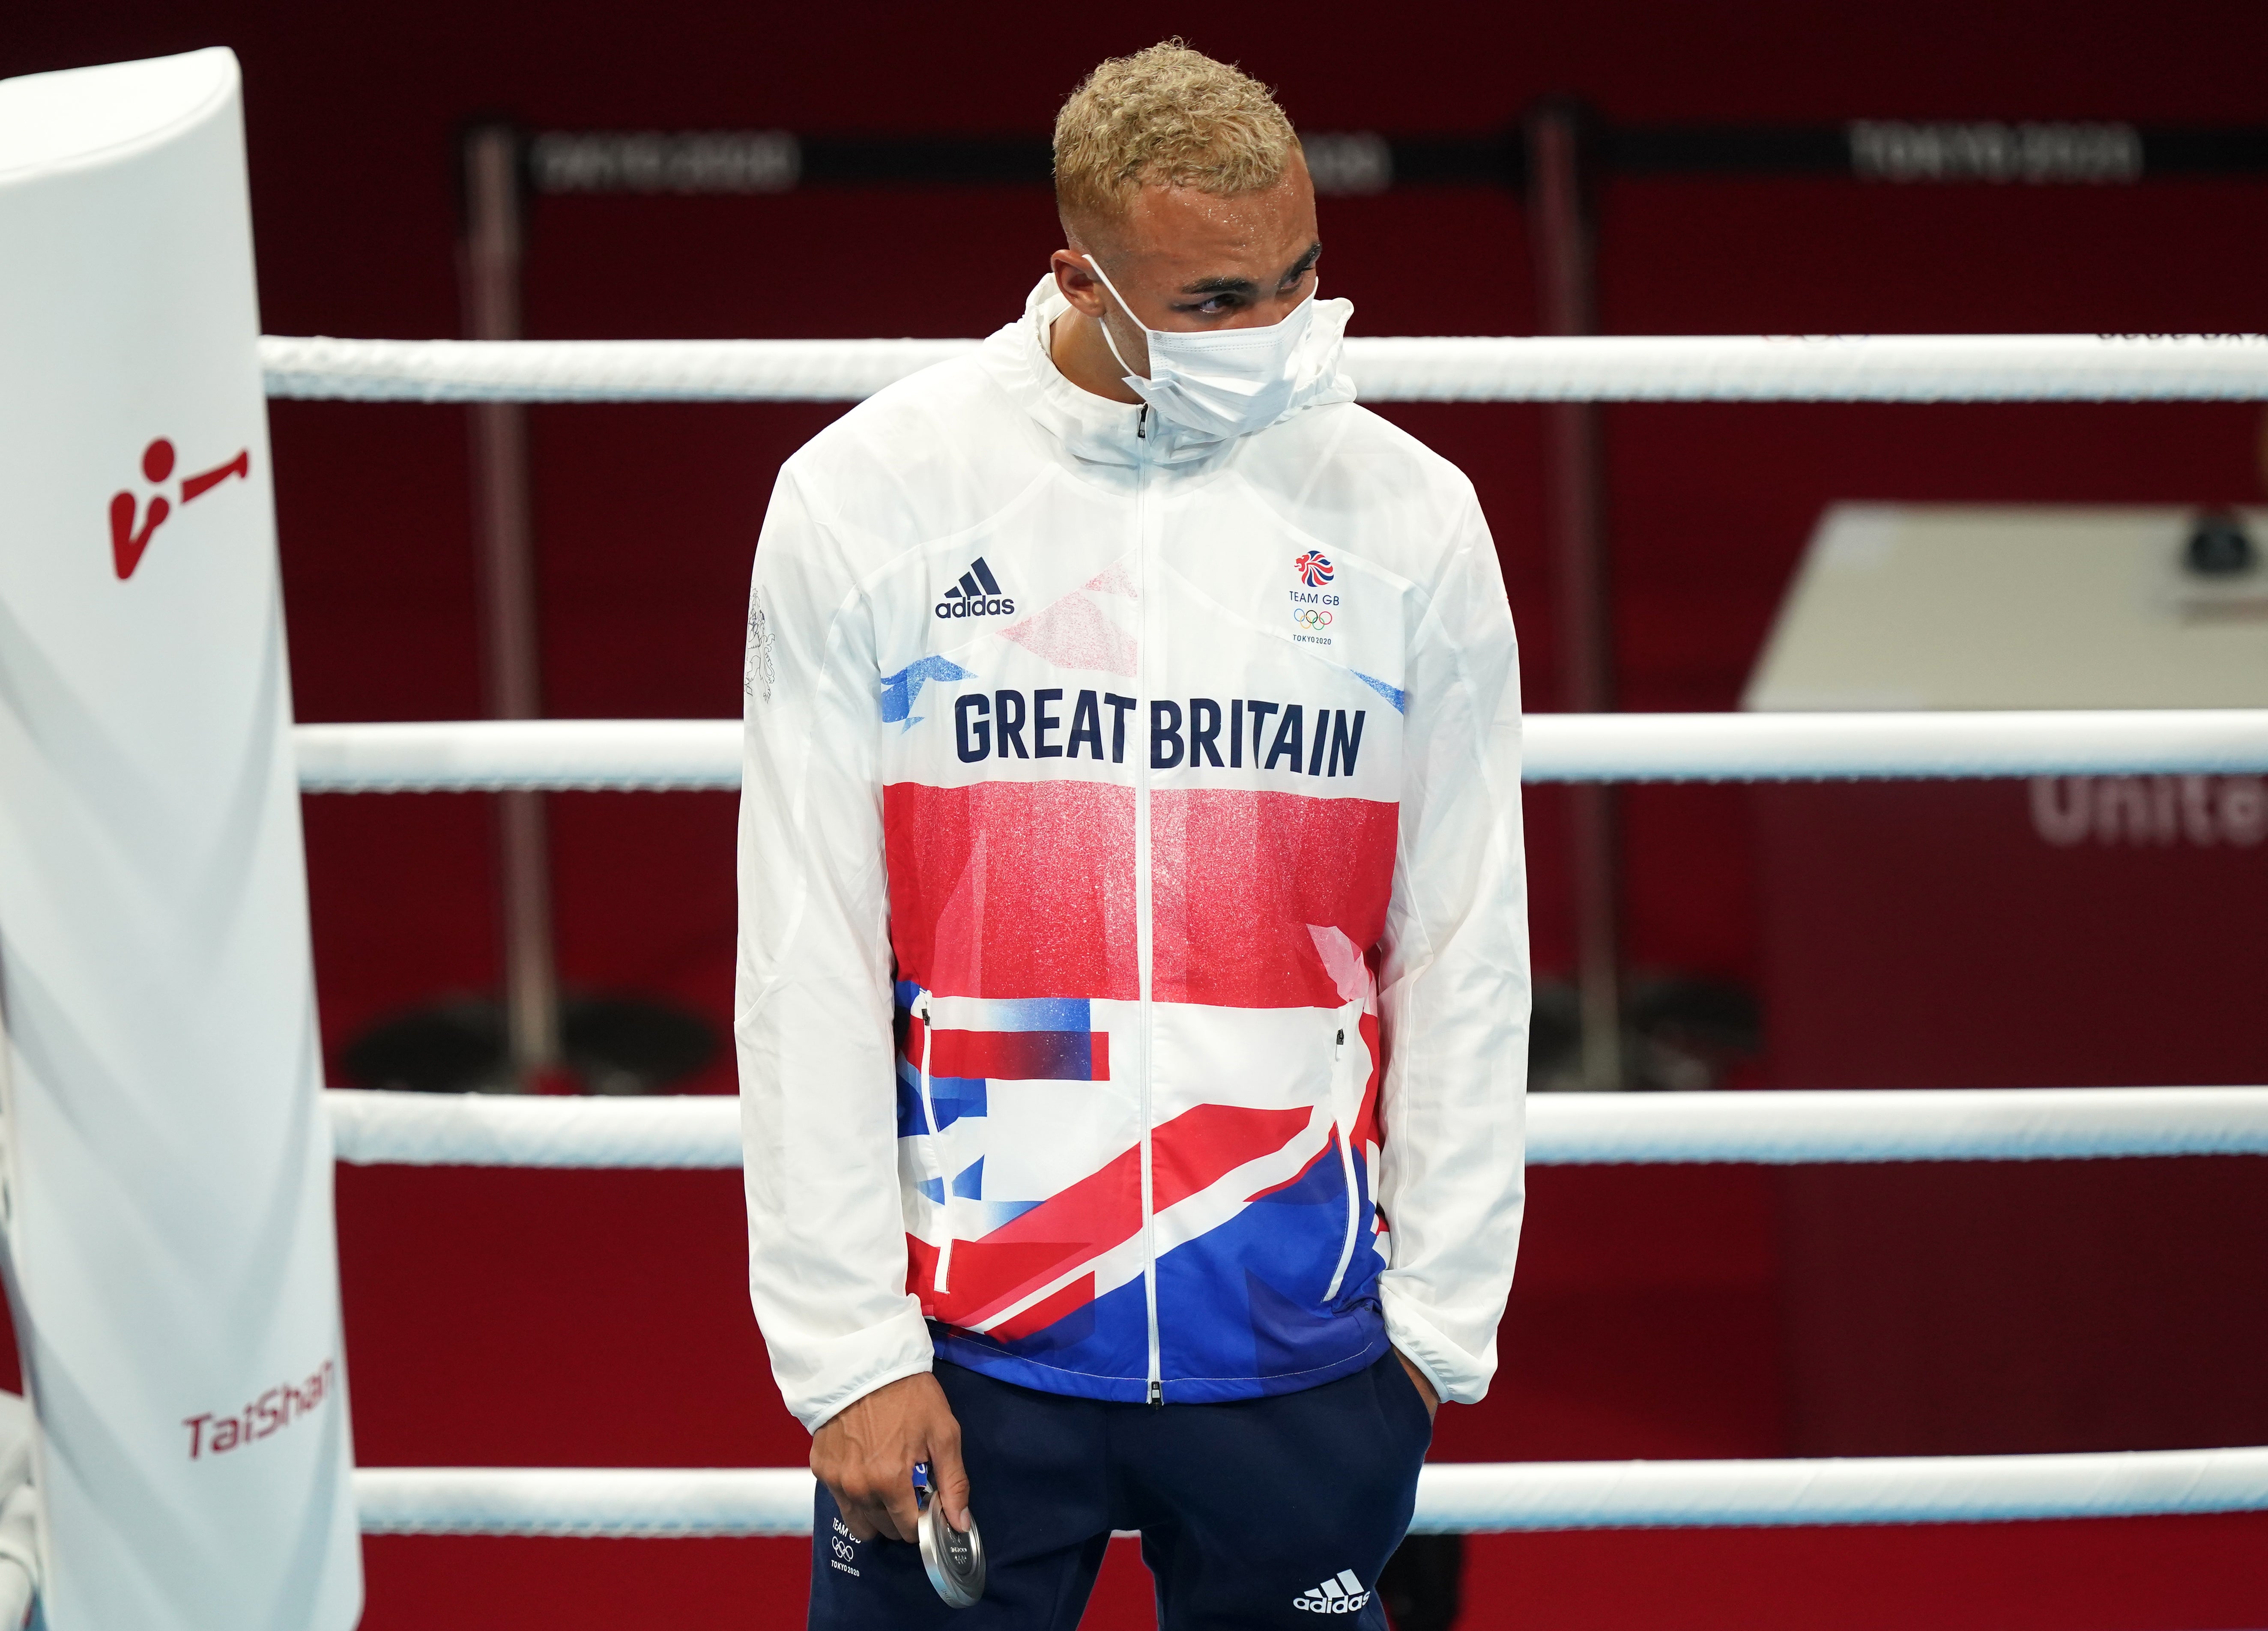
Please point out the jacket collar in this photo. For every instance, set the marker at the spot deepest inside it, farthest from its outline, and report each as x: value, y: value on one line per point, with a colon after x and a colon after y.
x: 1095, y: 429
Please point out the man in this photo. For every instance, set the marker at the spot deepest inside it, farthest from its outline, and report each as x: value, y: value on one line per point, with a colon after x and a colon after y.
x: 1133, y: 984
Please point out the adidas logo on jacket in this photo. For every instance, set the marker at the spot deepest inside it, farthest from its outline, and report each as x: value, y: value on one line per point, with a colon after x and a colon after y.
x: 977, y: 594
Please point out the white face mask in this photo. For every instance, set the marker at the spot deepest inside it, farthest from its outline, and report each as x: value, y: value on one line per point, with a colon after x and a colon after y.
x: 1230, y: 382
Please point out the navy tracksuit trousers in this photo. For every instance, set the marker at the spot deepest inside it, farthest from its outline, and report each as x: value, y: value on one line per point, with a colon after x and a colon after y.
x: 1276, y: 1511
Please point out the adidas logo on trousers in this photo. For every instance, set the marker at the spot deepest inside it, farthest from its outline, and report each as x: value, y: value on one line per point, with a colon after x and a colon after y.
x: 1343, y: 1594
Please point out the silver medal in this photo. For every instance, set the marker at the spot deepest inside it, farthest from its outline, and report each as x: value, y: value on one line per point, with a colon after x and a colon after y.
x: 953, y: 1558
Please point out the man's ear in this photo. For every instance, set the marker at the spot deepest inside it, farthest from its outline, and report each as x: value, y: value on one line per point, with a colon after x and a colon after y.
x: 1078, y: 283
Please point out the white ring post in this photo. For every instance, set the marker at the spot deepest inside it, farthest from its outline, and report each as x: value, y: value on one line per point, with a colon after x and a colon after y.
x: 167, y: 1198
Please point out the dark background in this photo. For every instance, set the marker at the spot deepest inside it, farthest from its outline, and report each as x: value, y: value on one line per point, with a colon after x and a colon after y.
x: 522, y: 1319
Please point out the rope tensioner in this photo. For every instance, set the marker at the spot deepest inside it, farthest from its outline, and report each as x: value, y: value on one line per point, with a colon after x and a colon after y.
x: 1822, y: 368
x: 1453, y: 1498
x: 485, y: 755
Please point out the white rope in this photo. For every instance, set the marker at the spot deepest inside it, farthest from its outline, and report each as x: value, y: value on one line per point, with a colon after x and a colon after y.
x: 1478, y: 1499
x: 502, y: 1129
x: 1877, y: 368
x: 492, y: 755
x: 691, y: 753
x: 595, y: 370
x: 1564, y: 1129
x: 1453, y: 1498
x: 1776, y: 748
x: 1931, y: 1124
x: 617, y: 1503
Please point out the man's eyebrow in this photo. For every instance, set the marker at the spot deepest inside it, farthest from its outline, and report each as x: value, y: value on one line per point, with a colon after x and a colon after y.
x: 1245, y: 286
x: 1221, y: 286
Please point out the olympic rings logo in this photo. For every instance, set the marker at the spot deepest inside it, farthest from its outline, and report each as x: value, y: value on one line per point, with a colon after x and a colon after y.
x: 1309, y: 617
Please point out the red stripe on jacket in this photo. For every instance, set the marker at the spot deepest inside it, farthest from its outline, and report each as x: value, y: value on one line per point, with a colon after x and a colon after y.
x: 1013, y: 889
x: 1188, y: 1154
x: 1026, y: 889
x: 1238, y: 877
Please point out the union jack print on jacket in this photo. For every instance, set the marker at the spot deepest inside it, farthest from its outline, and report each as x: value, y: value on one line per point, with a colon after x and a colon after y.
x: 1133, y: 977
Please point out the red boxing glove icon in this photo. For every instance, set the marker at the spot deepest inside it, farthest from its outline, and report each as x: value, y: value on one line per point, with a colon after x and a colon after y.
x: 126, y: 545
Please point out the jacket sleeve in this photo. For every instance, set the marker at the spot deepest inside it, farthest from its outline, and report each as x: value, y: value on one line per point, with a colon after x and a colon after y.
x: 812, y: 1007
x: 1454, y: 984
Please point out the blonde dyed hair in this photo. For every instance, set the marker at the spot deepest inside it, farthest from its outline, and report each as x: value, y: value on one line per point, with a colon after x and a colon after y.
x: 1168, y: 116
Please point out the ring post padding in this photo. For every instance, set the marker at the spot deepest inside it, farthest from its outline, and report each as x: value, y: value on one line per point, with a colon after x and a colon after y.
x: 168, y: 1225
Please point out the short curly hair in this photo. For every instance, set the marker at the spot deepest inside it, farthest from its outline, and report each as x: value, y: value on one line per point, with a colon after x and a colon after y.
x: 1168, y: 115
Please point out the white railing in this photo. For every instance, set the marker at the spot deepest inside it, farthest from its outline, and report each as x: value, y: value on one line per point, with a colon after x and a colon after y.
x: 1470, y: 1498
x: 488, y: 755
x: 1841, y: 368
x: 1564, y: 1129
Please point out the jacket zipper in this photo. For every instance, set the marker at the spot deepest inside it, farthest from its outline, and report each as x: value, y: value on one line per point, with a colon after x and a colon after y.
x: 1150, y: 614
x: 1344, y: 1136
x: 938, y: 1283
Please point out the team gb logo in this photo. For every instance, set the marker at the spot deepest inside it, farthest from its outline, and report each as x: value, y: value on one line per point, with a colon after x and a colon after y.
x: 1313, y: 567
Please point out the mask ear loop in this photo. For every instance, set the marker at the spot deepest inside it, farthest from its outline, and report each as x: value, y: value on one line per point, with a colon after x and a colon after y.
x: 1122, y: 306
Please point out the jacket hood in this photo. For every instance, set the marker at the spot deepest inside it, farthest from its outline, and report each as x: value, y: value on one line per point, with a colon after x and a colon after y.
x: 1102, y: 431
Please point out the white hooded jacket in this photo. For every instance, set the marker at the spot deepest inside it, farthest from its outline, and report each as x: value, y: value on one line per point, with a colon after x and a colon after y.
x: 1132, y: 995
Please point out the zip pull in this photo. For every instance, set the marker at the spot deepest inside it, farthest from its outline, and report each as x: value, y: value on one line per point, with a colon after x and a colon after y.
x: 1157, y: 1393
x: 941, y: 1282
x: 1142, y: 423
x: 1343, y: 1136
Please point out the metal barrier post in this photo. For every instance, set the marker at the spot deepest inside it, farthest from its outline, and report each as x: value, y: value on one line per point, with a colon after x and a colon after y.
x: 1559, y: 231
x: 512, y: 666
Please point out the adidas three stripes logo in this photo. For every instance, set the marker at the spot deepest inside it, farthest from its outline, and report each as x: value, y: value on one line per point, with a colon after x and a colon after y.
x: 1341, y: 1594
x: 977, y: 594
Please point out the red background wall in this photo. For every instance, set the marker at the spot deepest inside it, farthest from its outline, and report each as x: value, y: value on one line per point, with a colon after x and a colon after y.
x: 529, y: 1318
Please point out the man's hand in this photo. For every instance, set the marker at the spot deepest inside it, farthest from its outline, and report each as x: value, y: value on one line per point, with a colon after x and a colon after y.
x: 864, y: 1454
x: 1425, y: 1388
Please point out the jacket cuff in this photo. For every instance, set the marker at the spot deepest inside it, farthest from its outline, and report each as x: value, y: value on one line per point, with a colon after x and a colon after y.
x: 1457, y: 1377
x: 827, y: 1375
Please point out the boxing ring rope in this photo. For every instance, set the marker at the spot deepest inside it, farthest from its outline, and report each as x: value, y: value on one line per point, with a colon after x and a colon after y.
x: 491, y: 755
x: 1835, y: 368
x: 1453, y: 1497
x: 1565, y: 1129
x: 1779, y: 1127
x: 704, y: 1132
